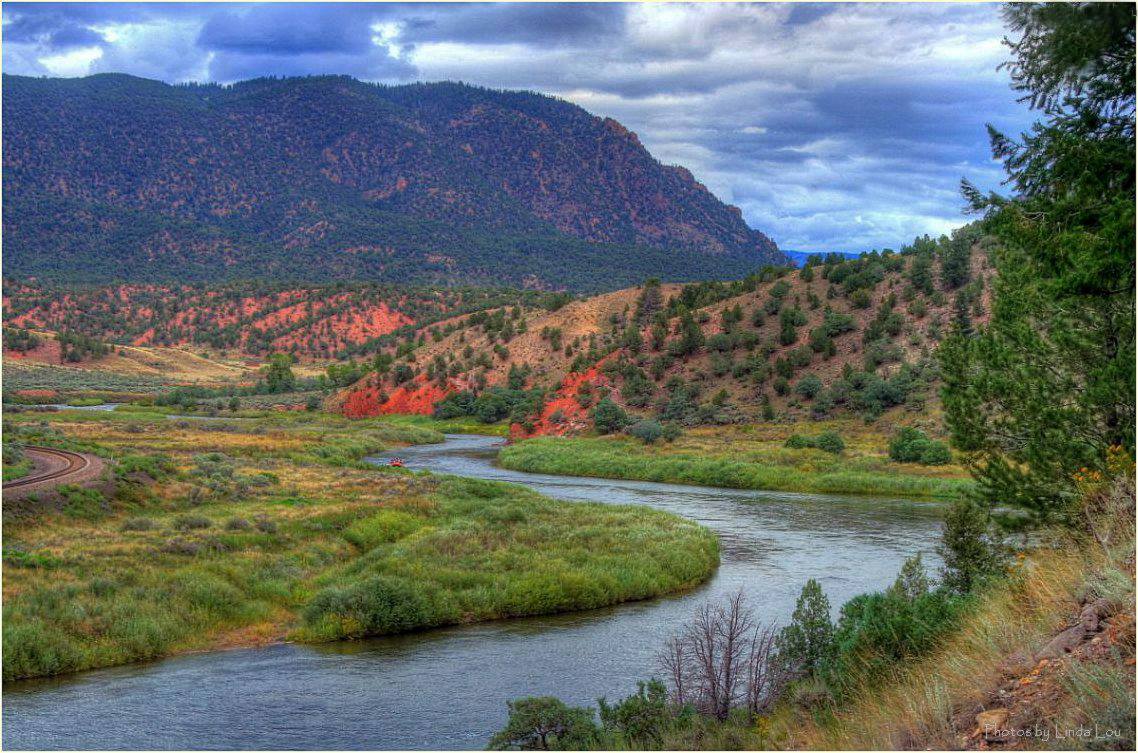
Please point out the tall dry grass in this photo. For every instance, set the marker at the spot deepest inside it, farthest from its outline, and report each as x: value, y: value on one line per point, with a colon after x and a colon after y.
x: 915, y: 706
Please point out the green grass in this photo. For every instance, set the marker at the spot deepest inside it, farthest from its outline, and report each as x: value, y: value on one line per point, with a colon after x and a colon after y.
x: 80, y: 402
x: 493, y: 550
x: 19, y: 469
x: 450, y: 425
x: 289, y: 536
x: 33, y: 376
x: 630, y: 459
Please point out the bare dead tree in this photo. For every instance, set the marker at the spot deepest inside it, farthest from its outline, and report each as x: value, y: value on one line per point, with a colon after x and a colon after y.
x: 767, y: 677
x: 723, y: 659
x: 675, y: 660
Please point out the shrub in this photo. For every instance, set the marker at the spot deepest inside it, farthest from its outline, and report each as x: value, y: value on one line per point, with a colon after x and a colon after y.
x: 609, y: 417
x: 182, y: 546
x: 828, y: 440
x: 139, y: 524
x: 877, y: 630
x: 157, y: 467
x: 640, y: 718
x: 265, y: 525
x: 376, y: 606
x: 808, y: 386
x: 238, y: 524
x: 824, y: 403
x: 546, y: 724
x: 913, y: 446
x: 647, y: 430
x: 192, y: 523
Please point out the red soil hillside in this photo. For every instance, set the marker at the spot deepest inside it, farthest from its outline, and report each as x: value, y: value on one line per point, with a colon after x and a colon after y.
x: 564, y: 413
x: 416, y: 397
x: 855, y: 336
x: 321, y: 322
x: 577, y: 321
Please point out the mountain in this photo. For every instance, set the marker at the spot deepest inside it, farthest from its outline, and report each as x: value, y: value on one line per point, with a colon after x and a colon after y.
x: 798, y: 258
x: 117, y: 178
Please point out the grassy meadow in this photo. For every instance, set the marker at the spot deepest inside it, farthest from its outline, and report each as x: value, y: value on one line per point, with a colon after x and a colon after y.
x: 746, y: 457
x: 242, y: 532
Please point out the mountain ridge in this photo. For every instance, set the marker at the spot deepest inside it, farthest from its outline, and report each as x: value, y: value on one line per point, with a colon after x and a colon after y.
x: 437, y: 183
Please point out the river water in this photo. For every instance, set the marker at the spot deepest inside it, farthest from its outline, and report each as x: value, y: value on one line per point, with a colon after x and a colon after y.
x: 447, y: 688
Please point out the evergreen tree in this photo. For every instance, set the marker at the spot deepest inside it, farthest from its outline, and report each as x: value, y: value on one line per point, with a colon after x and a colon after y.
x: 546, y: 723
x: 1048, y: 385
x: 278, y: 373
x: 807, y: 641
x: 609, y: 417
x: 691, y: 336
x: 912, y: 582
x: 969, y: 547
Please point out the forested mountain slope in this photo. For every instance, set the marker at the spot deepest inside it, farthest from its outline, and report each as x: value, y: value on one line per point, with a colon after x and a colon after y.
x: 112, y: 177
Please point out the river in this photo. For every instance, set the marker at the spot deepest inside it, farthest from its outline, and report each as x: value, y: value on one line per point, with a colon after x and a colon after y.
x: 447, y: 688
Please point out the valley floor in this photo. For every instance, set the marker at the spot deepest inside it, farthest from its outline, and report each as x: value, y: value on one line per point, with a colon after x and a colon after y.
x: 247, y: 531
x: 746, y: 457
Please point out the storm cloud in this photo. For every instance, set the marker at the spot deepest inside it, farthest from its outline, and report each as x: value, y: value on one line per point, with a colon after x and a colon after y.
x: 837, y: 126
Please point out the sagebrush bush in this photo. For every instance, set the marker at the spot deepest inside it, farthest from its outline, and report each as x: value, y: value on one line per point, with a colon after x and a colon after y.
x: 191, y: 522
x: 139, y: 524
x: 647, y: 430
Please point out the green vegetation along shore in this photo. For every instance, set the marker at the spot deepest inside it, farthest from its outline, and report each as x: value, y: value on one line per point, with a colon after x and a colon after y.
x: 243, y: 532
x: 747, y: 457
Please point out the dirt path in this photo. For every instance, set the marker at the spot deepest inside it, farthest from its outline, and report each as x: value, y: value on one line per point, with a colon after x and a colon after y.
x: 52, y: 468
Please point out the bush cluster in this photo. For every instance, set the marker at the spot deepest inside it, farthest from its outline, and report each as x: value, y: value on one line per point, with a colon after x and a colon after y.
x: 492, y: 405
x: 830, y: 441
x: 913, y: 446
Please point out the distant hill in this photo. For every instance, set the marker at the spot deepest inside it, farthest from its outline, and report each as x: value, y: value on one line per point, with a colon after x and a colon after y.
x: 854, y: 336
x: 251, y: 318
x: 798, y: 258
x: 117, y: 178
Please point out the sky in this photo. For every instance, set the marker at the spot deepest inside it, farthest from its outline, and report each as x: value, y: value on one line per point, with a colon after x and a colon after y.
x: 834, y: 127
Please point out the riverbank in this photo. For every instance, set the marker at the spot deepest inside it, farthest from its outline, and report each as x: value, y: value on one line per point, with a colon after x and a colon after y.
x: 245, y: 532
x: 746, y: 457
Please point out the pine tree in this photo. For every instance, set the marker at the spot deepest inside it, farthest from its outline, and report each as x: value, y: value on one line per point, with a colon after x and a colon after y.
x: 1047, y: 387
x: 808, y: 640
x: 969, y: 547
x: 912, y: 582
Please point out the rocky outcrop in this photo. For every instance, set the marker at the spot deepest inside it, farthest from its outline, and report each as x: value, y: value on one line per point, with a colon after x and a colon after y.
x: 1021, y: 712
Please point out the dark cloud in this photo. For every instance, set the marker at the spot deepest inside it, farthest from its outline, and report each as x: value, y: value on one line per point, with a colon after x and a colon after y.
x: 537, y: 23
x: 805, y: 13
x: 832, y: 125
x: 278, y: 31
x: 52, y: 28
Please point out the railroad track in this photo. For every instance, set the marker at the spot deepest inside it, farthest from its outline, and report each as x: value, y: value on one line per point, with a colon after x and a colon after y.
x: 73, y: 463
